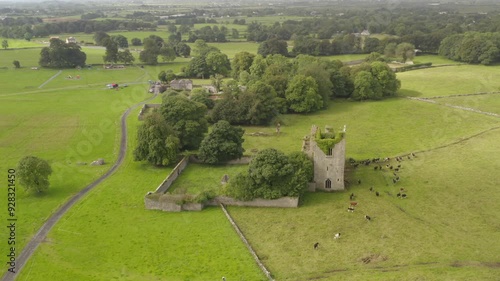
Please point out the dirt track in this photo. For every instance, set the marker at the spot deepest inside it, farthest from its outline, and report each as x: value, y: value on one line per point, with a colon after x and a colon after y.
x: 30, y: 248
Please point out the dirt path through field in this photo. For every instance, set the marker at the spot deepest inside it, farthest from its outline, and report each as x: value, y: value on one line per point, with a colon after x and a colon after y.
x: 30, y: 248
x: 50, y: 79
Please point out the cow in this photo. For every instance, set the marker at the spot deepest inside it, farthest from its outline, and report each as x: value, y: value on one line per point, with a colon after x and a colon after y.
x: 353, y: 204
x: 350, y: 209
x: 316, y: 245
x: 351, y: 196
x: 337, y: 236
x: 376, y: 193
x: 368, y: 218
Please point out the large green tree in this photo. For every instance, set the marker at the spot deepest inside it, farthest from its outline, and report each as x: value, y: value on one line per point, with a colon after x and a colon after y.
x: 157, y: 141
x: 60, y: 54
x: 366, y: 86
x: 241, y: 62
x: 223, y: 143
x: 33, y: 173
x: 405, y: 51
x: 187, y: 118
x: 302, y: 95
x: 273, y: 46
x: 5, y: 44
x: 272, y: 174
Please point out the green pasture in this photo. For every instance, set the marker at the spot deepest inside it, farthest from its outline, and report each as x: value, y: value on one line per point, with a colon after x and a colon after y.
x: 67, y: 128
x: 487, y: 103
x: 436, y: 60
x: 446, y: 229
x: 346, y: 58
x: 21, y: 43
x: 109, y: 235
x: 200, y: 177
x: 376, y: 129
x: 450, y: 80
x: 26, y: 57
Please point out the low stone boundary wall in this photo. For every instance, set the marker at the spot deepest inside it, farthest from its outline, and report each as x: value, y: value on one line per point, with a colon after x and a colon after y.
x: 283, y: 202
x: 245, y: 241
x: 242, y: 160
x: 163, y: 187
x: 168, y: 204
x: 145, y: 107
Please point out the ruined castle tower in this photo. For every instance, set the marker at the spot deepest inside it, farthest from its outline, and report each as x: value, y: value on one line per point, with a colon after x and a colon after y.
x: 327, y: 150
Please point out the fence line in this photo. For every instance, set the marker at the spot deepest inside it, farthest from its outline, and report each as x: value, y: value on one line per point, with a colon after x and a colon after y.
x: 256, y: 258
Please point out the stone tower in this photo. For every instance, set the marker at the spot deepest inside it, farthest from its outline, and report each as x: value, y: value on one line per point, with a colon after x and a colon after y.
x: 327, y: 150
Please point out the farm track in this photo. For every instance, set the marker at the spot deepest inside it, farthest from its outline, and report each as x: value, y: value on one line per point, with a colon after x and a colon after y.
x: 50, y: 79
x: 40, y: 236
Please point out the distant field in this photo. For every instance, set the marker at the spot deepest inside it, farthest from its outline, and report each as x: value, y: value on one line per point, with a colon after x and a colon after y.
x: 377, y: 128
x: 21, y: 43
x: 346, y: 58
x: 26, y: 57
x: 487, y: 103
x: 436, y: 60
x: 450, y: 80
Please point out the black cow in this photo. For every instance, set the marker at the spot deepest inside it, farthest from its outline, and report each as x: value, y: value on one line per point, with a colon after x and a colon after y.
x: 316, y: 245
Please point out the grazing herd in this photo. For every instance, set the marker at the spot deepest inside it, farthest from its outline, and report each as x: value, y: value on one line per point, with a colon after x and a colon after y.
x: 395, y: 168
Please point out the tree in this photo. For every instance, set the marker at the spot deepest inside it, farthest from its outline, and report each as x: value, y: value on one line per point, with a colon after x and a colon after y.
x: 60, y: 54
x: 241, y: 62
x: 202, y: 96
x: 218, y: 63
x: 136, y: 42
x: 28, y: 36
x: 366, y: 86
x: 125, y: 56
x: 5, y: 44
x: 406, y: 51
x: 390, y: 50
x: 167, y: 53
x: 389, y: 84
x: 302, y: 95
x: 182, y: 49
x: 111, y: 54
x: 156, y: 141
x: 33, y: 173
x: 120, y: 40
x: 187, y: 118
x: 99, y: 37
x: 273, y: 46
x: 16, y: 64
x: 271, y: 174
x: 222, y: 144
x: 262, y: 103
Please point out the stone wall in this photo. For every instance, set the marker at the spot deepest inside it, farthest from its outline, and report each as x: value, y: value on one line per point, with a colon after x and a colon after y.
x: 171, y: 206
x: 145, y: 108
x: 283, y: 202
x: 163, y: 187
x: 242, y: 160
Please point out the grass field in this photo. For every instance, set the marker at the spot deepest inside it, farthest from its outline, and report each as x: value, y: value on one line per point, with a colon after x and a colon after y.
x: 119, y: 239
x: 446, y: 230
x: 450, y: 80
x: 487, y: 103
x: 200, y: 177
x: 63, y: 127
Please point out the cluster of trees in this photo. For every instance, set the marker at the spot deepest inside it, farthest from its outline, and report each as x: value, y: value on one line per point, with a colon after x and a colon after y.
x: 276, y: 84
x: 60, y: 54
x: 208, y: 61
x: 472, y: 47
x: 209, y: 34
x: 155, y: 46
x: 181, y: 124
x: 39, y: 29
x: 271, y: 174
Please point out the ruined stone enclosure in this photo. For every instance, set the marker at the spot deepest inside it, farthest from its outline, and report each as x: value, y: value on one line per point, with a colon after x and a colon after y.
x: 327, y: 150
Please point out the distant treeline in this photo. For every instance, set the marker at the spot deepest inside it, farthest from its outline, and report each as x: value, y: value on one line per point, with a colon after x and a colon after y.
x: 16, y: 31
